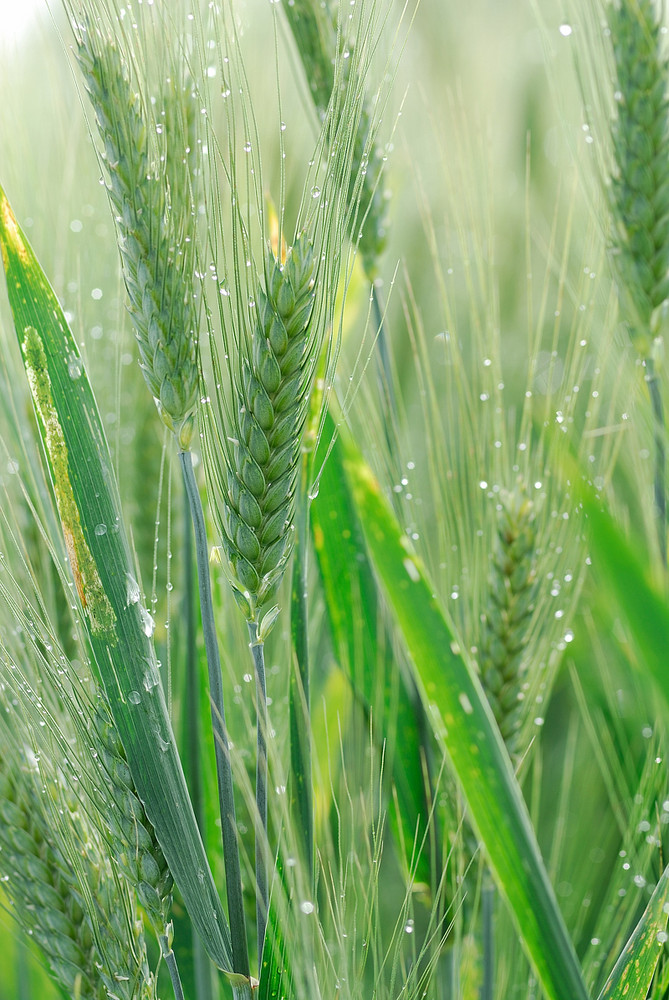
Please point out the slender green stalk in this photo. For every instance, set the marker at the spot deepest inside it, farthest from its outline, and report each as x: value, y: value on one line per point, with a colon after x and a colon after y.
x: 488, y: 935
x: 659, y: 432
x: 192, y: 716
x: 191, y: 740
x: 171, y: 963
x: 386, y: 385
x: 22, y: 971
x: 221, y: 743
x: 262, y: 865
x: 300, y: 728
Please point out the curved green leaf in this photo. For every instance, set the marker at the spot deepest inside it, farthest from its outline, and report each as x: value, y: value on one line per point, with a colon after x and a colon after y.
x: 634, y: 970
x: 365, y: 653
x: 118, y: 626
x: 622, y: 573
x: 462, y: 720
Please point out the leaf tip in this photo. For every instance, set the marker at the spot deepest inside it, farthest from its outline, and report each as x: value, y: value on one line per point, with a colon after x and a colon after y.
x: 10, y: 232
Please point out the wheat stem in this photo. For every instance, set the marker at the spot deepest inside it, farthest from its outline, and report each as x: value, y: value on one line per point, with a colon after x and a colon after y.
x: 191, y: 731
x: 300, y: 729
x: 171, y: 963
x: 262, y: 891
x: 488, y: 936
x: 385, y: 381
x: 191, y: 740
x: 233, y: 878
x: 22, y: 971
x: 659, y: 432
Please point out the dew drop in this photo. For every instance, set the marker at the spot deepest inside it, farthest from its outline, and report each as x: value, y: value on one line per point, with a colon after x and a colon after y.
x: 148, y: 624
x: 100, y: 529
x: 466, y: 703
x: 132, y: 592
x: 134, y: 697
x: 412, y: 570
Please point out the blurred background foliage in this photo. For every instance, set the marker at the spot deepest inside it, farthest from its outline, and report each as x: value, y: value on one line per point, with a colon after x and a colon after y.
x: 496, y: 232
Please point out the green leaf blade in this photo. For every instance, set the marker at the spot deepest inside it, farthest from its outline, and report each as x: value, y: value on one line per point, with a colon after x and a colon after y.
x: 622, y: 573
x: 365, y: 653
x: 462, y: 719
x: 118, y: 626
x: 633, y: 972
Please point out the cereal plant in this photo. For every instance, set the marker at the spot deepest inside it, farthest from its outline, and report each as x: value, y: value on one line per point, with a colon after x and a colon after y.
x: 333, y: 620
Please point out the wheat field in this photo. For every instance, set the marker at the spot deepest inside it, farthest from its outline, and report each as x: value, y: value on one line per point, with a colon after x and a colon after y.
x: 334, y: 636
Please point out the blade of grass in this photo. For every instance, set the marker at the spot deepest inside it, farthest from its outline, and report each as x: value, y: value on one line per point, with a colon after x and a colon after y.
x: 226, y: 797
x: 118, y: 625
x: 462, y: 720
x: 275, y: 977
x: 623, y: 575
x: 364, y: 654
x: 633, y: 972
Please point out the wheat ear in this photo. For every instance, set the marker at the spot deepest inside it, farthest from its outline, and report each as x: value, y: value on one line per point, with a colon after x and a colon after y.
x: 261, y: 469
x: 133, y: 841
x: 93, y: 949
x: 314, y: 27
x: 151, y: 218
x: 262, y: 461
x: 508, y: 612
x: 640, y: 199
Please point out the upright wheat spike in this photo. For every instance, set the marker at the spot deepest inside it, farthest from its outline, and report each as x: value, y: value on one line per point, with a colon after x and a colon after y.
x: 152, y: 219
x: 640, y: 187
x: 507, y: 615
x: 94, y: 954
x: 314, y: 27
x: 640, y: 198
x: 262, y: 464
x: 260, y: 475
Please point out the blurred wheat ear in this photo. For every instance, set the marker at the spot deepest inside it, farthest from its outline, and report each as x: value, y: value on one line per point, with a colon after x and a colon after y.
x: 153, y: 216
x: 508, y: 612
x: 65, y: 894
x: 640, y: 201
